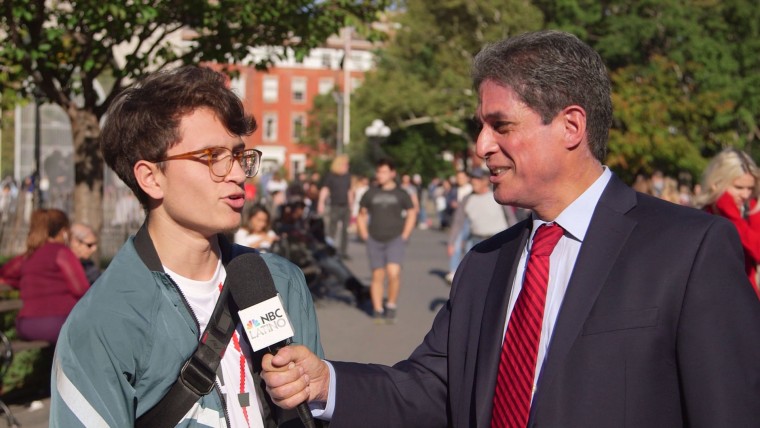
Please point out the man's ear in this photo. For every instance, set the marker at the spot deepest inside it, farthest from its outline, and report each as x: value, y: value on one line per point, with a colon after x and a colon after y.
x: 148, y: 177
x: 574, y: 121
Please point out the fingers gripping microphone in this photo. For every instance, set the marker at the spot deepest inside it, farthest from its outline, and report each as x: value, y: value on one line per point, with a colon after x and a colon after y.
x: 262, y: 313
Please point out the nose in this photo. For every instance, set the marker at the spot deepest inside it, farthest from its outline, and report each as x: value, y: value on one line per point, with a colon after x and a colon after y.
x: 236, y: 173
x: 485, y: 145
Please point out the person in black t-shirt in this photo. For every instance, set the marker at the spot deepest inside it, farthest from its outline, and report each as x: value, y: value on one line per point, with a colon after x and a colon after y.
x: 386, y: 219
x: 337, y: 189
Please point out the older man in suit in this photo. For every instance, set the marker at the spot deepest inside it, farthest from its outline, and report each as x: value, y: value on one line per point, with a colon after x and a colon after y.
x: 606, y: 308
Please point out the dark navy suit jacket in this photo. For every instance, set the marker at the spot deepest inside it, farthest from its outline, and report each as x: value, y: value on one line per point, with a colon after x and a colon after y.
x: 659, y: 327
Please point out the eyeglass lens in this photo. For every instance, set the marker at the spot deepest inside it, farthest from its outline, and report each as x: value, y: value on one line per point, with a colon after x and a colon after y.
x: 87, y: 244
x: 222, y: 164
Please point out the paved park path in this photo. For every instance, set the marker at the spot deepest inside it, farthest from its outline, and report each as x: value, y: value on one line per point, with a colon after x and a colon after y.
x: 349, y: 334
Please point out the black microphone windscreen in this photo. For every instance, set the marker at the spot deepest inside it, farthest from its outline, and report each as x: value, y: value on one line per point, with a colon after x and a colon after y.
x: 250, y: 284
x: 249, y: 280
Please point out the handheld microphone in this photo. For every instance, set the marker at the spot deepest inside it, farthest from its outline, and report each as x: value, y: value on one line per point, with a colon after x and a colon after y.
x: 264, y: 318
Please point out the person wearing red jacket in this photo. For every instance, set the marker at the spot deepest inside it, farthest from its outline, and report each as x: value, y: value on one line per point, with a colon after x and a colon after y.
x: 730, y: 190
x: 48, y: 275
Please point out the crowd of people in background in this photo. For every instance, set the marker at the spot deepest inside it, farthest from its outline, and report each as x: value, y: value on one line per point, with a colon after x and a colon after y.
x: 439, y: 204
x: 679, y: 190
x: 317, y: 216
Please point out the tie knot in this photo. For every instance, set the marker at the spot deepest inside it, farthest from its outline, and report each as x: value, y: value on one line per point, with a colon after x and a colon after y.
x: 546, y: 239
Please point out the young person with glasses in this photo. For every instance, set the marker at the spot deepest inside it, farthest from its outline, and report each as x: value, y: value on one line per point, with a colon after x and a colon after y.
x: 177, y: 139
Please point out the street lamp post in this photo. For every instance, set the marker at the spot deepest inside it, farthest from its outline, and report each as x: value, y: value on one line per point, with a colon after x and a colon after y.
x: 346, y: 105
x: 376, y: 132
x: 37, y: 176
x: 339, y: 132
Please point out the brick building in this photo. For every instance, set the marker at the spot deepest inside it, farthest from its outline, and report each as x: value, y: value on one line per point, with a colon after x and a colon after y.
x: 280, y: 98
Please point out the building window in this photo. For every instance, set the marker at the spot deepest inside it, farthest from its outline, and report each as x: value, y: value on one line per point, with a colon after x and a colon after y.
x: 299, y: 121
x: 271, y: 88
x: 299, y: 90
x: 237, y: 85
x: 326, y: 60
x: 270, y: 127
x: 326, y: 85
x: 297, y: 164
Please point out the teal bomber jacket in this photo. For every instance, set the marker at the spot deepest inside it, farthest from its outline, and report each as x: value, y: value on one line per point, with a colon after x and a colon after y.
x: 123, y: 345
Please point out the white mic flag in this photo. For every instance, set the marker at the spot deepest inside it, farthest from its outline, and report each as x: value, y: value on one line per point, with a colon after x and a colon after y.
x: 266, y: 323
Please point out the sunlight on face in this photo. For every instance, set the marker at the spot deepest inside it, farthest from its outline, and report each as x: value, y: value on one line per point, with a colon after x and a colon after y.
x: 741, y: 189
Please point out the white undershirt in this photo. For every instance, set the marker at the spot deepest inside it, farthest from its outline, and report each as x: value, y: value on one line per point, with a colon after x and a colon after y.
x: 202, y: 297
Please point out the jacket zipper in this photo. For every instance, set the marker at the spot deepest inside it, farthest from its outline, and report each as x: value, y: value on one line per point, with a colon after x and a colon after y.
x: 217, y: 387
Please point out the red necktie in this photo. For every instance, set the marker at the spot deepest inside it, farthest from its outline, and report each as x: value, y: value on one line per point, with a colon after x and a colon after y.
x: 517, y: 367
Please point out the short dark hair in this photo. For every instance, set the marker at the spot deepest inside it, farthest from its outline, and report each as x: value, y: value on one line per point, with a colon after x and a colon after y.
x: 259, y: 208
x: 143, y: 121
x: 385, y: 162
x: 550, y: 70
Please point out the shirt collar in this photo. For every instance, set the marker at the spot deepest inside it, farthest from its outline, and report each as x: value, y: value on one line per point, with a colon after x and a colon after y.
x: 576, y: 217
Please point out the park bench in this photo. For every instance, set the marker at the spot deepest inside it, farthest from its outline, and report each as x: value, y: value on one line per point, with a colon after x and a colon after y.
x: 9, y: 348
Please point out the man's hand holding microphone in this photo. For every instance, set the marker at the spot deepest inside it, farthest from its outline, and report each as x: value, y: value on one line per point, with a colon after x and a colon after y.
x: 295, y: 375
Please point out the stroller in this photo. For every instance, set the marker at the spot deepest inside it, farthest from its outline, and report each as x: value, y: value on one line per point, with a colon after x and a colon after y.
x: 302, y: 241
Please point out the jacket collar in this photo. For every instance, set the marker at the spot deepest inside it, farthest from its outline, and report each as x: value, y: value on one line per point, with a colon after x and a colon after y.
x: 608, y: 233
x: 148, y: 254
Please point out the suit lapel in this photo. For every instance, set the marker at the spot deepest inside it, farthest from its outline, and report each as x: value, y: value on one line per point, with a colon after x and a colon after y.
x: 492, y: 327
x: 606, y: 236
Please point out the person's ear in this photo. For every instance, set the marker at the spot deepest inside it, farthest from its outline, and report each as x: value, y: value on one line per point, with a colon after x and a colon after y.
x: 148, y: 177
x: 574, y: 126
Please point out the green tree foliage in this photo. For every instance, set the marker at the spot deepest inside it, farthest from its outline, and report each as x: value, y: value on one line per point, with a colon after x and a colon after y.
x: 80, y: 53
x: 421, y: 86
x: 650, y: 109
x: 686, y: 76
x: 419, y: 152
x: 322, y: 129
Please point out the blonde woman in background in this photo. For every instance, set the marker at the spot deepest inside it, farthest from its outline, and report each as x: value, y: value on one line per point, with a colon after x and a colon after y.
x: 729, y: 189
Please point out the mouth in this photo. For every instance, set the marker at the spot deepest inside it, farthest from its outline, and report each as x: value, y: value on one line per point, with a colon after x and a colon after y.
x: 497, y: 172
x: 236, y: 201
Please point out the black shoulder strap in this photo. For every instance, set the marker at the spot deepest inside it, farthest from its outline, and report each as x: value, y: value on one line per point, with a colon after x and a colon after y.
x: 198, y: 376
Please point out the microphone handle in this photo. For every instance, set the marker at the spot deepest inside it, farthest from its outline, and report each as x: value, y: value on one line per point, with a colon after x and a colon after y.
x: 304, y: 413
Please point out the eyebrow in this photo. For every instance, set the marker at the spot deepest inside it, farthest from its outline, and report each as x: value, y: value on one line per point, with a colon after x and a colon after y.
x: 237, y: 146
x: 496, y: 116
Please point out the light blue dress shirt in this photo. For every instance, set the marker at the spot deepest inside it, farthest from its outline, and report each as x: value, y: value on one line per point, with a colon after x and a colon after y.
x: 575, y: 219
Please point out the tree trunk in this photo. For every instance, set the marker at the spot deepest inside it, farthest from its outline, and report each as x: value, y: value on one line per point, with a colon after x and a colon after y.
x: 88, y: 168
